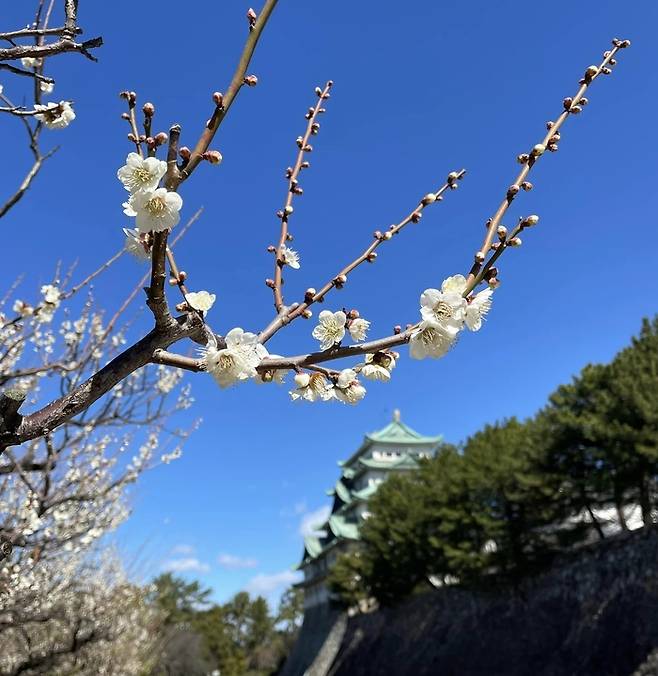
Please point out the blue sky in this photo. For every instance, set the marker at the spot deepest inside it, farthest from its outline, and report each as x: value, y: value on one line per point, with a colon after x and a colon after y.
x: 420, y: 89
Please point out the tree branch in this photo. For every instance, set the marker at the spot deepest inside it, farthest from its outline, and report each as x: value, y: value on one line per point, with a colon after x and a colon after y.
x: 231, y: 93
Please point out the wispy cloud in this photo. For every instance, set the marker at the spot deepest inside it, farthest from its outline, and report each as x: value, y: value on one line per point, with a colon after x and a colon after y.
x: 269, y: 585
x: 182, y: 549
x: 235, y: 562
x: 186, y: 565
x: 310, y: 521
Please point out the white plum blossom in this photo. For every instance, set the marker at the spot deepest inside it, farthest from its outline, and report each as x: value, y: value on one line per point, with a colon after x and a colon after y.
x: 51, y: 301
x: 431, y: 340
x: 331, y: 328
x: 55, y: 115
x: 51, y: 294
x: 445, y: 308
x: 47, y: 87
x: 154, y: 210
x: 358, y: 329
x: 141, y: 173
x: 134, y: 244
x: 477, y: 308
x: 378, y: 366
x: 290, y: 257
x: 200, y: 300
x: 444, y: 315
x: 30, y: 62
x: 310, y: 387
x: 347, y: 388
x: 22, y: 308
x: 237, y: 361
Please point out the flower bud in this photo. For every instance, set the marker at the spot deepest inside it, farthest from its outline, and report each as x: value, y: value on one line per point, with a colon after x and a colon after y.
x: 353, y: 314
x: 318, y: 91
x: 288, y: 210
x: 538, y: 150
x: 552, y: 147
x: 513, y: 190
x: 310, y: 292
x: 416, y: 216
x: 515, y: 241
x: 307, y: 314
x: 387, y: 235
x: 452, y: 176
x: 531, y: 220
x: 161, y: 138
x: 339, y: 281
x: 479, y: 257
x: 606, y: 71
x: 502, y: 231
x: 185, y: 152
x: 212, y: 156
x: 567, y: 103
x: 522, y: 158
x: 148, y: 109
x: 125, y: 116
x: 397, y: 329
x: 550, y: 124
x: 428, y: 199
x: 575, y: 110
x: 251, y: 80
x: 217, y: 98
x: 591, y: 72
x: 315, y: 128
x: 271, y: 248
x: 372, y: 256
x: 270, y: 283
x: 526, y: 185
x: 583, y: 101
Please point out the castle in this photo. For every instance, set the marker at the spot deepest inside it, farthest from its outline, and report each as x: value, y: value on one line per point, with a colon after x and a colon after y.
x: 396, y: 448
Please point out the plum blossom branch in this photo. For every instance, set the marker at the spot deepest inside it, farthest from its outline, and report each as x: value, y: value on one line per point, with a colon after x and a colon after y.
x: 292, y: 174
x: 572, y: 106
x: 368, y: 255
x: 239, y: 79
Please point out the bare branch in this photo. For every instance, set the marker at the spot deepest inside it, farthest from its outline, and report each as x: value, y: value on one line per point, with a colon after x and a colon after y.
x: 292, y: 174
x: 222, y: 108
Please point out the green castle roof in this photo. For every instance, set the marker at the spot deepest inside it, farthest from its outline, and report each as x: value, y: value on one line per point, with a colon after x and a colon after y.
x: 337, y: 527
x: 397, y: 433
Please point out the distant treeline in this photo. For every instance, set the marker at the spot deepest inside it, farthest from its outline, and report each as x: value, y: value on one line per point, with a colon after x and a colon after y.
x: 518, y: 492
x: 238, y: 638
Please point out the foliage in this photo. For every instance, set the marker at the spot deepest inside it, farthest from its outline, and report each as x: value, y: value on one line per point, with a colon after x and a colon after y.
x: 517, y: 493
x: 238, y: 637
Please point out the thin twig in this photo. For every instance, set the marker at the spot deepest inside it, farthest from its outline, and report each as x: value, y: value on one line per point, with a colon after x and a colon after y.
x: 221, y: 109
x: 293, y: 189
x: 571, y: 106
x: 368, y: 254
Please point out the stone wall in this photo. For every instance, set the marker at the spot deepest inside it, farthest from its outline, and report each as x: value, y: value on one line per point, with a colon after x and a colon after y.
x: 593, y: 613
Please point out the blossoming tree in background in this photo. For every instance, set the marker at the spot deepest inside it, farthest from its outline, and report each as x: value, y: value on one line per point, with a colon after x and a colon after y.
x: 62, y: 439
